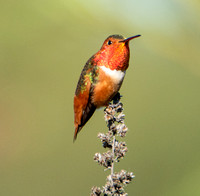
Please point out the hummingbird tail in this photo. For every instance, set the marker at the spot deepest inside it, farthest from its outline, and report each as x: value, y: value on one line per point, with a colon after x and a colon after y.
x: 77, y: 129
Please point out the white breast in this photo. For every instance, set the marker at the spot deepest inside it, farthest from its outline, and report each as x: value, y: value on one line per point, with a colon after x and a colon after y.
x: 116, y: 75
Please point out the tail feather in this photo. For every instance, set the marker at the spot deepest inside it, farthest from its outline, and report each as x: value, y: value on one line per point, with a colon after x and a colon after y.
x: 89, y: 111
x: 77, y: 129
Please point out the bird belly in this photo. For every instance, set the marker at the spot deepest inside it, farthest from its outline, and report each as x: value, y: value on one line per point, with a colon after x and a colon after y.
x: 106, y: 87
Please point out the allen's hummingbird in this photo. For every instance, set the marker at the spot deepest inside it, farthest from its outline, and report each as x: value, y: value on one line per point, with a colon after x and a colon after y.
x: 101, y: 79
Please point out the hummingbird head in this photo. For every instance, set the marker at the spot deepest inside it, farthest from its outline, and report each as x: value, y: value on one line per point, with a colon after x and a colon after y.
x: 114, y: 53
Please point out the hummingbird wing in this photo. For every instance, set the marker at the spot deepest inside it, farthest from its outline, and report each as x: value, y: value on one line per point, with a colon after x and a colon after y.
x: 83, y: 106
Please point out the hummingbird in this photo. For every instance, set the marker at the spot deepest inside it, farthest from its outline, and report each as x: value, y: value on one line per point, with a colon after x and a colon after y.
x: 101, y: 79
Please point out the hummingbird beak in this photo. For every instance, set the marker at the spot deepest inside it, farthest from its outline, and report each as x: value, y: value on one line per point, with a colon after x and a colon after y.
x: 130, y: 38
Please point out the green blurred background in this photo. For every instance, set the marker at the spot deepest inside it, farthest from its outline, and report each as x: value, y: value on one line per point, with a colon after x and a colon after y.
x: 43, y: 48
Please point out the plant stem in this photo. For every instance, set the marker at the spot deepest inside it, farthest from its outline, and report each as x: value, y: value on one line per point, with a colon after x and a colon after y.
x: 113, y: 154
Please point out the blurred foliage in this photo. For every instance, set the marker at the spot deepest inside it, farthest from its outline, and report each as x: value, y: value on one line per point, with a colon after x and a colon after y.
x: 43, y: 47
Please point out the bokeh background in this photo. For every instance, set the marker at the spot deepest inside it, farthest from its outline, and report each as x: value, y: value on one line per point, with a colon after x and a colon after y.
x: 43, y: 48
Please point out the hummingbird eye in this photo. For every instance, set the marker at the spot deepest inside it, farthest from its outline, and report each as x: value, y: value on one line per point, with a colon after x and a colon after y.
x: 109, y: 42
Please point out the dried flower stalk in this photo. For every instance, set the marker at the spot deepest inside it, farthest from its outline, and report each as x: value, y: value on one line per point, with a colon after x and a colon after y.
x: 116, y: 181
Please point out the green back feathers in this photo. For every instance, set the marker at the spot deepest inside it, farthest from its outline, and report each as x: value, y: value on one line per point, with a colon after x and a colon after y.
x: 89, y: 71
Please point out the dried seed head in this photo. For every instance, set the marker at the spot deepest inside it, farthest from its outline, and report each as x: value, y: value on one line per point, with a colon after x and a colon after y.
x: 120, y: 149
x: 106, y: 139
x: 95, y: 191
x: 104, y: 159
x: 115, y: 183
x: 121, y: 130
